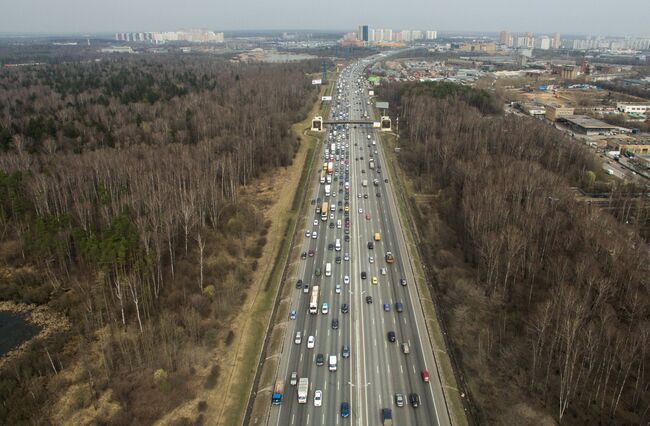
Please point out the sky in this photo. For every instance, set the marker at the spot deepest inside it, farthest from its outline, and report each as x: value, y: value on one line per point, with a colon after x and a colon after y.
x: 631, y: 17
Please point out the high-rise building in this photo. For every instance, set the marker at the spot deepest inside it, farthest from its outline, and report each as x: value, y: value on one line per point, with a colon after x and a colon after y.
x: 556, y: 41
x: 364, y: 33
x: 431, y: 35
x: 543, y: 43
x: 505, y: 38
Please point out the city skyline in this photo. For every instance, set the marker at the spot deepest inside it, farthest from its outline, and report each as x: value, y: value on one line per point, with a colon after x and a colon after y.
x: 73, y: 16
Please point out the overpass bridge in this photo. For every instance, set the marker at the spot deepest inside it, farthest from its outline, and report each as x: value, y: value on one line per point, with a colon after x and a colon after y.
x: 348, y: 122
x: 384, y: 123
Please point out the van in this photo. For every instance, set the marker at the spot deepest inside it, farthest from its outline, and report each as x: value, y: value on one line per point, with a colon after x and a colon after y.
x: 337, y: 245
x: 332, y: 363
x: 328, y: 269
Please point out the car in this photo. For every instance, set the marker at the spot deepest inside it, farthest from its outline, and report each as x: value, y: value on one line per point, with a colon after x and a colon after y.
x: 382, y: 271
x: 298, y: 339
x: 345, y: 308
x: 360, y: 211
x: 363, y: 170
x: 386, y: 307
x: 303, y: 255
x: 402, y: 281
x: 363, y: 275
x: 368, y: 299
x: 346, y: 209
x: 359, y: 195
x: 318, y: 398
x: 335, y: 324
x: 347, y: 238
x: 345, y: 409
x: 385, y: 180
x: 368, y: 216
x: 299, y: 284
x: 399, y: 399
x: 346, y: 257
x: 374, y: 280
x: 371, y: 259
x: 371, y: 245
x: 308, y: 234
x: 320, y: 360
x: 292, y: 315
x: 338, y: 259
x: 378, y: 194
x: 325, y: 308
x: 337, y: 289
x: 330, y: 246
x: 365, y: 196
x: 313, y: 201
x: 415, y: 400
x: 391, y: 336
x: 305, y: 288
x: 311, y: 253
x: 294, y: 379
x: 314, y: 235
x: 315, y: 222
x: 317, y: 272
x: 345, y: 351
x: 399, y: 307
x: 425, y: 375
x: 405, y: 348
x: 331, y: 225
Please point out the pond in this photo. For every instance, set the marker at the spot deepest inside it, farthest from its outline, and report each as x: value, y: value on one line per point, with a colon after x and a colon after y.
x: 14, y: 330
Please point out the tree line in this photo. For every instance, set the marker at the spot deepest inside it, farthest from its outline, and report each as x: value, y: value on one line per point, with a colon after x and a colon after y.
x: 119, y: 180
x: 565, y: 284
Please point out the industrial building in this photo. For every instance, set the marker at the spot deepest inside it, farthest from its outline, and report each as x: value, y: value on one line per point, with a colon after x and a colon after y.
x: 554, y: 112
x: 589, y: 126
x: 628, y: 107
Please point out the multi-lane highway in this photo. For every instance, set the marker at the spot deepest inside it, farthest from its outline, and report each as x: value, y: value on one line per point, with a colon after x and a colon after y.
x: 374, y: 303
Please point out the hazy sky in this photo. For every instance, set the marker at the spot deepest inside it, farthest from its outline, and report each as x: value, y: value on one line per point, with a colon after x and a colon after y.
x: 631, y: 17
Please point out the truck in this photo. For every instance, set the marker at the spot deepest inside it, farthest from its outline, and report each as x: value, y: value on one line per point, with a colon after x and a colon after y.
x: 323, y: 173
x: 303, y: 390
x: 389, y: 257
x: 313, y: 300
x: 278, y: 390
x: 324, y: 211
x: 330, y: 167
x: 364, y: 183
x: 387, y: 416
x: 371, y: 164
x: 332, y: 363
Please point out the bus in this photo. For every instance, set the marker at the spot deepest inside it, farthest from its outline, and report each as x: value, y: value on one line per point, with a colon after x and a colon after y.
x: 324, y: 211
x: 323, y: 173
x: 313, y: 301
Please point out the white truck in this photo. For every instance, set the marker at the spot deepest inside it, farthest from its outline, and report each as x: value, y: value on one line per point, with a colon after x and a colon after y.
x: 364, y: 183
x: 332, y: 363
x: 303, y: 390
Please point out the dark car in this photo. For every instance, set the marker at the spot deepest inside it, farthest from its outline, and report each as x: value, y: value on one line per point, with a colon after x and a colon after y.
x: 331, y: 226
x: 335, y: 324
x: 347, y: 238
x: 345, y: 308
x: 369, y: 299
x: 378, y: 194
x: 345, y: 409
x: 330, y: 246
x: 399, y: 307
x: 391, y: 336
x: 414, y: 399
x: 338, y: 259
x: 299, y: 284
x: 317, y: 273
x: 385, y: 180
x: 313, y: 201
x: 320, y: 359
x: 363, y: 275
x: 371, y: 245
x: 365, y: 196
x: 345, y: 352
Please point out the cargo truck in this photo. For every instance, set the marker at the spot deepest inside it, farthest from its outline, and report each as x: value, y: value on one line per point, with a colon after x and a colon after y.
x: 324, y: 210
x: 303, y: 390
x: 278, y: 390
x: 330, y: 167
x: 323, y: 174
x: 371, y: 164
x: 364, y: 182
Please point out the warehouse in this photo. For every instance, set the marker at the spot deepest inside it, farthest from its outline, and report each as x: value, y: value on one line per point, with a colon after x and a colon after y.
x: 590, y: 126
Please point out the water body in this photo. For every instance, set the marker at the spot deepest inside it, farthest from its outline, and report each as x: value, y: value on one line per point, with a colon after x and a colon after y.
x: 14, y: 330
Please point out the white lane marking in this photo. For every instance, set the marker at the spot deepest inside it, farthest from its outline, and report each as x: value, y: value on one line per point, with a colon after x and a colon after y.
x: 300, y: 356
x: 401, y: 369
x: 323, y: 421
x: 293, y: 418
x: 375, y: 341
x: 307, y: 418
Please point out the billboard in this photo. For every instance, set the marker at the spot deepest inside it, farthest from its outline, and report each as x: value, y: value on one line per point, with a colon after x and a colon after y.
x: 326, y: 98
x: 319, y: 81
x: 371, y: 93
x: 376, y: 124
x: 382, y: 105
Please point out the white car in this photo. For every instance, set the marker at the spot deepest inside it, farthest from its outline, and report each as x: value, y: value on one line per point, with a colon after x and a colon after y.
x: 314, y: 235
x: 371, y: 259
x: 360, y: 211
x: 346, y: 257
x: 307, y: 234
x: 337, y: 289
x: 298, y: 339
x: 383, y: 271
x: 325, y: 308
x: 311, y: 341
x: 346, y: 279
x: 318, y: 398
x: 315, y: 222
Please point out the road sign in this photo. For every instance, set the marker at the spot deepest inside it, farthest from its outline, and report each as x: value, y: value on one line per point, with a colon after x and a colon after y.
x: 318, y: 81
x: 382, y: 105
x: 326, y: 98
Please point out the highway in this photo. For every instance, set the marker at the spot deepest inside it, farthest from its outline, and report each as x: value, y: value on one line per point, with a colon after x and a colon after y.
x: 377, y: 369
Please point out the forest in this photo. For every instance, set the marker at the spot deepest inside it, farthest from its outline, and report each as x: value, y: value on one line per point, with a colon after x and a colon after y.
x: 121, y: 206
x: 545, y: 298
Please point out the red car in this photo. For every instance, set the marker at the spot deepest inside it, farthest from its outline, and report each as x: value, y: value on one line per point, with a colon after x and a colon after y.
x: 425, y: 375
x: 368, y: 217
x: 310, y: 253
